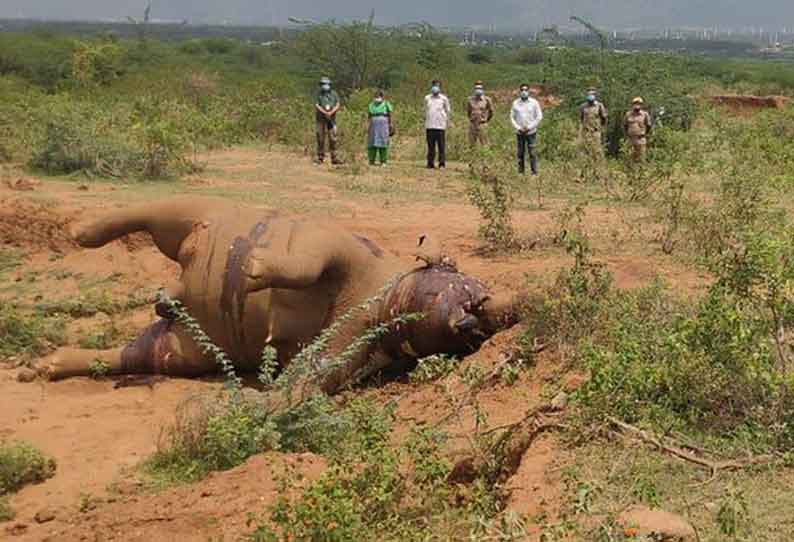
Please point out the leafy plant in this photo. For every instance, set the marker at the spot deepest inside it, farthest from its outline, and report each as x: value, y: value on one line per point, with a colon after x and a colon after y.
x: 22, y: 464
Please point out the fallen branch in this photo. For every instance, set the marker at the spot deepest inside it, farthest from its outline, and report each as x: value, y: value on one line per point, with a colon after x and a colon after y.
x: 714, y: 467
x: 504, y: 457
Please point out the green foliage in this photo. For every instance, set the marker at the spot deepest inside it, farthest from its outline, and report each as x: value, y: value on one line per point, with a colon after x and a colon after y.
x: 40, y: 59
x: 366, y: 493
x: 22, y: 464
x: 99, y: 368
x: 212, y: 434
x: 530, y: 56
x: 733, y: 514
x: 433, y: 368
x: 6, y: 512
x: 97, y: 63
x: 481, y: 55
x: 30, y: 335
x: 493, y: 196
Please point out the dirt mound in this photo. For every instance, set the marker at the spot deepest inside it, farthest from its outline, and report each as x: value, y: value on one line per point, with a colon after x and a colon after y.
x: 25, y: 224
x: 35, y: 226
x: 215, y: 508
x: 745, y: 102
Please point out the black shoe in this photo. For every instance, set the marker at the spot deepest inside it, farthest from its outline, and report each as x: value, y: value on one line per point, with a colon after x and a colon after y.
x: 442, y: 166
x: 431, y: 166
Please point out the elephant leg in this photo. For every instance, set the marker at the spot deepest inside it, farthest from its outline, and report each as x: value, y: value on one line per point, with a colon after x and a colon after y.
x: 163, y: 348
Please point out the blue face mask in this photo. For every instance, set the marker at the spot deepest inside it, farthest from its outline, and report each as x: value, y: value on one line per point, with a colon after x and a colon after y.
x: 591, y: 98
x: 479, y: 92
x: 524, y: 94
x: 435, y: 89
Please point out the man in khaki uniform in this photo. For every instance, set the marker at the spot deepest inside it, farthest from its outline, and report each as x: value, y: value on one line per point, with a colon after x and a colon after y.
x: 592, y: 120
x: 637, y: 126
x: 480, y: 111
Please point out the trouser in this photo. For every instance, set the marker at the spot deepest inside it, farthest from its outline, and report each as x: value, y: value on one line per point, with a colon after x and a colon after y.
x: 477, y: 134
x: 436, y: 139
x: 593, y: 146
x: 378, y: 152
x: 639, y: 145
x: 593, y: 164
x: 527, y: 142
x: 326, y: 131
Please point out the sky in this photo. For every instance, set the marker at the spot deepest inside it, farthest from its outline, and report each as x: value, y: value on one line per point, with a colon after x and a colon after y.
x: 513, y: 14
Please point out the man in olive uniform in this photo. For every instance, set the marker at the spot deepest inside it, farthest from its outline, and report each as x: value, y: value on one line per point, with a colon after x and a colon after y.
x: 480, y: 111
x: 326, y: 106
x: 637, y: 126
x: 592, y: 121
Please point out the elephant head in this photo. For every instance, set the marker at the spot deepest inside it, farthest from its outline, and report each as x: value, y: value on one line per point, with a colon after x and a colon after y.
x: 458, y: 313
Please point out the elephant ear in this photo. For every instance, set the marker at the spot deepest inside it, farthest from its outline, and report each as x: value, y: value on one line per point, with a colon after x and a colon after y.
x: 430, y: 251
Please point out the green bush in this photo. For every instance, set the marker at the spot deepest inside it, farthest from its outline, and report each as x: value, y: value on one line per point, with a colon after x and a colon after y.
x: 212, y: 434
x: 22, y: 464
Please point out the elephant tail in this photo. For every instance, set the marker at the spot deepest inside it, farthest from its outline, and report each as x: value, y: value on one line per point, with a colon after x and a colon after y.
x: 169, y: 222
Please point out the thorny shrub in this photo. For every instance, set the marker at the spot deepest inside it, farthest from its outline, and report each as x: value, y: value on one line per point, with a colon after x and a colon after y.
x: 492, y: 194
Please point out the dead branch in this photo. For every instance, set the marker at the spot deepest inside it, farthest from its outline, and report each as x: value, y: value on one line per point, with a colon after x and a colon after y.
x: 504, y: 457
x: 714, y: 467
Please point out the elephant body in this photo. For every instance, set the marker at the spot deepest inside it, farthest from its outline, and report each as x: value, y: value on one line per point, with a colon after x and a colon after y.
x: 253, y: 278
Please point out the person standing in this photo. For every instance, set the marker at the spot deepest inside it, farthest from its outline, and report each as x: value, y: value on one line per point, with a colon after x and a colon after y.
x: 379, y: 129
x: 592, y: 121
x: 479, y: 109
x: 526, y: 115
x: 437, y: 112
x: 326, y: 107
x: 637, y: 126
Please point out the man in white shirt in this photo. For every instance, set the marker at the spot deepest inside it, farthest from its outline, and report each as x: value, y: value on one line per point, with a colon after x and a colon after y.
x: 526, y: 116
x: 437, y: 111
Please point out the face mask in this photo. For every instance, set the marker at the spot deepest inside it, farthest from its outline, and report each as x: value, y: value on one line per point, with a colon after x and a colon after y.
x: 326, y: 88
x: 524, y: 94
x: 591, y: 98
x: 435, y: 90
x: 378, y: 100
x: 478, y: 92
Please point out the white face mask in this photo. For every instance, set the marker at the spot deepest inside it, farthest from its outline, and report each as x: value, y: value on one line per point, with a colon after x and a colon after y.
x: 378, y: 100
x: 478, y: 92
x: 326, y: 88
x: 435, y: 90
x: 524, y: 94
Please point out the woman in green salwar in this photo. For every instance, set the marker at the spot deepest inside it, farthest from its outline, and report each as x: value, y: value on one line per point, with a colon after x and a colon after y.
x: 380, y: 129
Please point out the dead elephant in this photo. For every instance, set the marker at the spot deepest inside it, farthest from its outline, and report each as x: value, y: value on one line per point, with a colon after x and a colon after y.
x: 253, y: 278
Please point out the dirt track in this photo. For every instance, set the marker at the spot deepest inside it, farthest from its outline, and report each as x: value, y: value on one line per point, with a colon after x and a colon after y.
x: 97, y: 434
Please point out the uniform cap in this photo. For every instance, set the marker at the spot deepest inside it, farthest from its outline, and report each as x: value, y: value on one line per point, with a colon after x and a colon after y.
x: 637, y: 100
x: 325, y: 81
